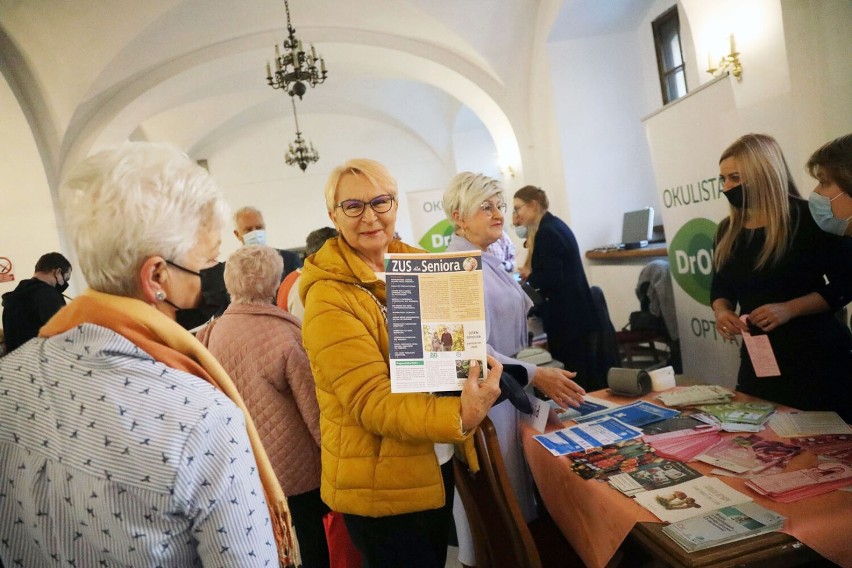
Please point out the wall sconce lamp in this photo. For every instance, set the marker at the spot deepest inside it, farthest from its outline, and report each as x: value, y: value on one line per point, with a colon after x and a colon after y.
x: 507, y: 172
x: 728, y: 64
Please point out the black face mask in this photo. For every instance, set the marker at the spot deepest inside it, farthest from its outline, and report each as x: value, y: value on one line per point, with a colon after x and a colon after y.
x: 186, y: 317
x: 64, y: 286
x: 735, y: 196
x: 214, y: 298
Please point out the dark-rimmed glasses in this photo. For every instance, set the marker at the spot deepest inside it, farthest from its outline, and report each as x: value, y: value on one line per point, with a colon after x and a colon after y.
x: 355, y: 207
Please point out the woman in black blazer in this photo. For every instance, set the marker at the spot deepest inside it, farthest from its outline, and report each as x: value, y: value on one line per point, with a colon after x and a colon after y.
x: 556, y: 271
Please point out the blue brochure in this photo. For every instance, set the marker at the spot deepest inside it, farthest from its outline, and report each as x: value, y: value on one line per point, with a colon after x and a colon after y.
x: 587, y: 437
x: 636, y: 414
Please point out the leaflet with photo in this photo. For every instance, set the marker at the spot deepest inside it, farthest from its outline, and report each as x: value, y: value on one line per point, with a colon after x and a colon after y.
x: 690, y: 499
x: 655, y: 475
x: 436, y: 319
x: 728, y: 524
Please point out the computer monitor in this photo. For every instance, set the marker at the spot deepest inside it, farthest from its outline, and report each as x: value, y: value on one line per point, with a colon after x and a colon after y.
x: 637, y: 228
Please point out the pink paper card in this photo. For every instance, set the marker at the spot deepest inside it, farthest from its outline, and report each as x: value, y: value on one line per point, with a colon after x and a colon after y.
x: 760, y: 352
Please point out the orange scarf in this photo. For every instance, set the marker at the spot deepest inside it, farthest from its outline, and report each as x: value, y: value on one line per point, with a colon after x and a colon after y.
x: 167, y: 342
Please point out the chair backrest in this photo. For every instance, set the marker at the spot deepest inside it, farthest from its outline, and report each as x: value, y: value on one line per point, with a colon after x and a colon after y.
x: 501, y: 538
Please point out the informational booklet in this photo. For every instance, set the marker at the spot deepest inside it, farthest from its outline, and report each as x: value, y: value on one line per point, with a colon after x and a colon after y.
x: 636, y: 414
x: 696, y: 394
x: 587, y: 437
x: 656, y: 475
x: 436, y: 319
x: 728, y: 524
x: 808, y: 423
x: 690, y: 499
x: 803, y: 483
x: 745, y: 412
x: 748, y: 456
x: 589, y: 405
x: 622, y: 457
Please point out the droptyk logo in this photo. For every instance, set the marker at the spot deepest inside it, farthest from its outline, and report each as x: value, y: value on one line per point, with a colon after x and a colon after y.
x: 691, y: 258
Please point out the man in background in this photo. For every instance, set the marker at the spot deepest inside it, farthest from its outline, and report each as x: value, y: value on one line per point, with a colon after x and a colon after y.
x: 250, y: 229
x: 288, y: 293
x: 35, y: 300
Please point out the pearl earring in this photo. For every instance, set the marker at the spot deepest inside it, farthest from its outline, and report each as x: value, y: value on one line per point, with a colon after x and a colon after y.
x: 160, y: 295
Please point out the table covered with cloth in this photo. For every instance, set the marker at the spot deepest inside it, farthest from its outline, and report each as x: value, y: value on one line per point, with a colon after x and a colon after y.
x: 596, y: 518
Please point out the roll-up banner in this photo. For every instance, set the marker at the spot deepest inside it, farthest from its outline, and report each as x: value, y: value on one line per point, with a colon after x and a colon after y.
x: 431, y: 228
x: 686, y: 139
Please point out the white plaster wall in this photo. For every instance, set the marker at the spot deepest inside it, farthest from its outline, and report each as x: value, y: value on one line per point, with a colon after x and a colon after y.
x: 250, y: 167
x: 28, y: 227
x: 599, y: 104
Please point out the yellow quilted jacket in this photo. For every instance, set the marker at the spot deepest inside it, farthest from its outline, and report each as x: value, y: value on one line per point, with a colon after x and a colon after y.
x: 378, y: 455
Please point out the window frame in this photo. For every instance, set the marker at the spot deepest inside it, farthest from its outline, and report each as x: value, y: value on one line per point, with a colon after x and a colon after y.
x: 657, y: 25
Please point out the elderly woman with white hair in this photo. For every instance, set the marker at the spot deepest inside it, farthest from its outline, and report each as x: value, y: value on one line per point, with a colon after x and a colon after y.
x: 123, y: 441
x: 474, y: 204
x: 260, y: 346
x: 386, y: 459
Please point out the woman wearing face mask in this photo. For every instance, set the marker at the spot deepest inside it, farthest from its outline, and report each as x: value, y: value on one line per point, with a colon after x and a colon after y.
x: 556, y: 271
x: 770, y: 261
x: 153, y: 455
x: 831, y: 200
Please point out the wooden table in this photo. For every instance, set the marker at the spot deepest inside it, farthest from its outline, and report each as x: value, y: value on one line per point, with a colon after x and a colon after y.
x: 596, y: 519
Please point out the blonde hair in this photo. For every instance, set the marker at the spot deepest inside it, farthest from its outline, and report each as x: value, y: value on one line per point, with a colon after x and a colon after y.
x: 467, y: 191
x: 376, y: 173
x: 767, y: 189
x: 252, y: 274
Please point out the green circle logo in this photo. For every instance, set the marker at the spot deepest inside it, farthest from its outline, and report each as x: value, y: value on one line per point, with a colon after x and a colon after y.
x: 691, y: 258
x: 437, y: 238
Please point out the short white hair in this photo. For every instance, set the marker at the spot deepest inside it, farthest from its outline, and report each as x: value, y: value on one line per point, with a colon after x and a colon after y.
x: 253, y: 274
x: 466, y: 192
x: 128, y: 203
x: 244, y: 210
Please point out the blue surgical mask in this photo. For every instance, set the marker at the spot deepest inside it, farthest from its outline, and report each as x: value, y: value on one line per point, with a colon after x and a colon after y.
x: 521, y: 231
x: 256, y: 237
x: 820, y: 207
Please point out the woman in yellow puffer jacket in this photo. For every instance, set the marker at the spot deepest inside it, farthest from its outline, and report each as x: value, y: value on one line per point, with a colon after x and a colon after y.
x: 385, y: 457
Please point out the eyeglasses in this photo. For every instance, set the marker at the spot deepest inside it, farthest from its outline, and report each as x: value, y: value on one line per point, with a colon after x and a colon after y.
x: 355, y: 207
x: 517, y: 208
x: 489, y: 208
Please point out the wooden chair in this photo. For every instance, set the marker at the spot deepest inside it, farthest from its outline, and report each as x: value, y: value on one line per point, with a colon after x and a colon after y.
x: 501, y: 538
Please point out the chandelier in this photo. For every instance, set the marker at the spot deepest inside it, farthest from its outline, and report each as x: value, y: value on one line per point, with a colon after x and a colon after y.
x: 300, y: 153
x: 296, y: 67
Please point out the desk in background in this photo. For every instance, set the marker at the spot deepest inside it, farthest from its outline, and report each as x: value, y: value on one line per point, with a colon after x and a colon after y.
x: 596, y: 519
x: 652, y: 250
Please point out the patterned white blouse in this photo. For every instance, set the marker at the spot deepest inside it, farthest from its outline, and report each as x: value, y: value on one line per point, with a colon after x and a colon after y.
x: 109, y: 458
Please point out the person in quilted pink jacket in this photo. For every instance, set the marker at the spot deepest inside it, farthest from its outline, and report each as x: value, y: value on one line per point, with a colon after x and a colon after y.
x: 260, y: 346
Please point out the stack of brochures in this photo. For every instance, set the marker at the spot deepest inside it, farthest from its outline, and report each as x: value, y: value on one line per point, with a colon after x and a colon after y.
x: 722, y: 526
x: 658, y: 474
x: 690, y: 499
x: 812, y: 423
x: 683, y: 437
x: 695, y: 395
x: 828, y: 447
x: 748, y: 456
x: 803, y: 483
x: 741, y: 416
x: 588, y: 436
x: 636, y: 414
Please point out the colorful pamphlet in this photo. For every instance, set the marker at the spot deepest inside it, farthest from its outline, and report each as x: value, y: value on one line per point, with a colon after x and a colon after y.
x: 586, y: 437
x: 803, y: 483
x: 828, y: 446
x: 728, y: 524
x: 436, y: 319
x: 655, y: 475
x: 636, y: 414
x: 754, y: 413
x: 748, y: 456
x: 680, y: 426
x: 615, y: 458
x: 690, y: 499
